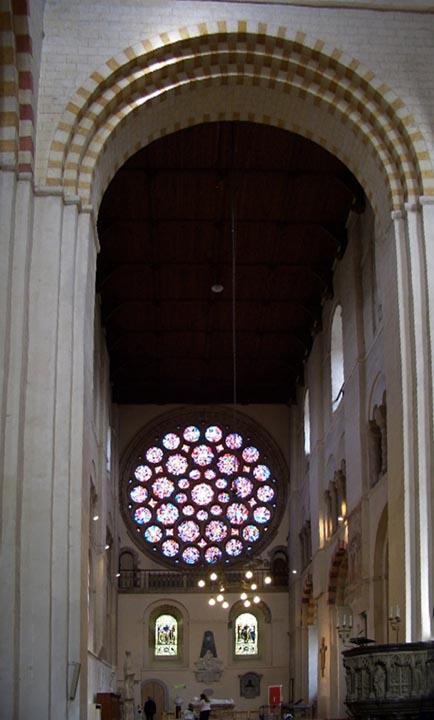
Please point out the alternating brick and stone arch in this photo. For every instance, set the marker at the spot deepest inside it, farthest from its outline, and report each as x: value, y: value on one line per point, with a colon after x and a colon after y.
x: 16, y: 97
x: 231, y: 71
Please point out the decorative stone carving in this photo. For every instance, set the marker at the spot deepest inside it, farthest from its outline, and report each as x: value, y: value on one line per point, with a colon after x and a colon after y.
x: 305, y: 537
x: 128, y: 687
x: 208, y: 668
x: 379, y: 681
x: 390, y: 681
x: 335, y: 500
x: 377, y: 443
x: 250, y: 685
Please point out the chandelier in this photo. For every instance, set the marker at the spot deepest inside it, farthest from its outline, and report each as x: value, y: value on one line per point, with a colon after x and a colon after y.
x: 247, y: 586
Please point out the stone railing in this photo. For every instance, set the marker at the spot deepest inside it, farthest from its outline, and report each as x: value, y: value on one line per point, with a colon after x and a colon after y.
x: 390, y: 681
x: 165, y: 581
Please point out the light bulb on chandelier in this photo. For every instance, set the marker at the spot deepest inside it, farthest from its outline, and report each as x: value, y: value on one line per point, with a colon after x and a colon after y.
x: 246, y: 586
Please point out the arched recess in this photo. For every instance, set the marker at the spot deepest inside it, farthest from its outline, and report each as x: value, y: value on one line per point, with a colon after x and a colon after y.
x: 231, y: 71
x: 128, y: 568
x: 158, y: 690
x: 179, y: 612
x: 377, y: 431
x: 381, y: 573
x: 279, y: 566
x: 338, y: 576
x: 262, y: 613
x: 307, y: 602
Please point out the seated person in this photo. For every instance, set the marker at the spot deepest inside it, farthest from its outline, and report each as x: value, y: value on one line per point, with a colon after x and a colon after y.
x: 189, y: 713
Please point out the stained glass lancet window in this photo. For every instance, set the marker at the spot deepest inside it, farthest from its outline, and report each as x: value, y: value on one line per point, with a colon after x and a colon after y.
x: 246, y: 634
x: 166, y: 636
x: 199, y: 493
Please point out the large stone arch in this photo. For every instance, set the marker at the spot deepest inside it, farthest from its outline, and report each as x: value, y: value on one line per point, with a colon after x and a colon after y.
x: 230, y: 71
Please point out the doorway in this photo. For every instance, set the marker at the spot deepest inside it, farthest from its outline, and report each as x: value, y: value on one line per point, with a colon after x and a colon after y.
x: 158, y: 691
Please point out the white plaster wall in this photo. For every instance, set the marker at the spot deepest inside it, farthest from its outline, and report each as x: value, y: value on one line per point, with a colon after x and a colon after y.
x: 337, y: 436
x: 199, y: 617
x: 101, y: 472
x: 133, y: 609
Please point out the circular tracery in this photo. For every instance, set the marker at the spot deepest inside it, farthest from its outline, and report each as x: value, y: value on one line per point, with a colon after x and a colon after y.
x: 201, y: 494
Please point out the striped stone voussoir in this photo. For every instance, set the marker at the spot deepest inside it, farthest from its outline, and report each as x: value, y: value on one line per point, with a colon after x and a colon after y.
x: 16, y: 89
x: 233, y: 53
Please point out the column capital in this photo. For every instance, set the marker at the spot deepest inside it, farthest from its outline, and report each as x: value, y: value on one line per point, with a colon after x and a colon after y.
x: 426, y: 199
x: 412, y: 206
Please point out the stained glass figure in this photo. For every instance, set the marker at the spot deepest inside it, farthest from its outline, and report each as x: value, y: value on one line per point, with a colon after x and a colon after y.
x: 246, y: 634
x: 166, y: 636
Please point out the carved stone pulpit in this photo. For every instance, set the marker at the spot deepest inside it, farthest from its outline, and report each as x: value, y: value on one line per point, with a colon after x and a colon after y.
x: 390, y: 681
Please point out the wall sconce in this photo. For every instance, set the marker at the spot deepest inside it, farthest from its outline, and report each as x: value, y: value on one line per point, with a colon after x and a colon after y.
x: 395, y: 621
x: 344, y: 628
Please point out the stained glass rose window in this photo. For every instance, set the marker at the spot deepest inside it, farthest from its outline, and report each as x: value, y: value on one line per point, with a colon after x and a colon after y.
x: 202, y: 493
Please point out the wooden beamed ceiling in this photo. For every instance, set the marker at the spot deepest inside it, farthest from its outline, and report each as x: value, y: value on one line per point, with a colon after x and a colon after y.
x: 258, y: 210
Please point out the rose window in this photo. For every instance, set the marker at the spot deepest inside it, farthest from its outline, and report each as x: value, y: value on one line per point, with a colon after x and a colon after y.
x: 201, y: 494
